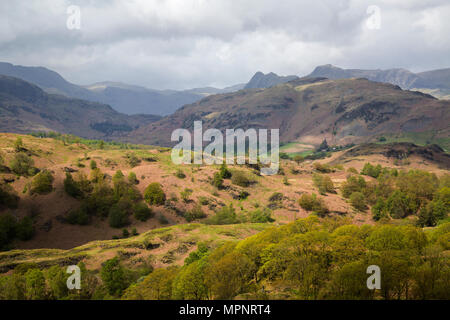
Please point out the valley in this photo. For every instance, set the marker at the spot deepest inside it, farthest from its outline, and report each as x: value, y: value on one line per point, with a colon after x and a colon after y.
x: 208, y: 209
x: 363, y: 179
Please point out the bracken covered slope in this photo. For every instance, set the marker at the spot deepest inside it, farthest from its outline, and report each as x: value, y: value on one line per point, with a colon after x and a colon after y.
x: 310, y: 110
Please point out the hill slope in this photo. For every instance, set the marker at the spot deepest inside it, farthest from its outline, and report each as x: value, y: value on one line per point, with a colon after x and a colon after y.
x: 51, y: 211
x: 25, y: 107
x: 310, y: 110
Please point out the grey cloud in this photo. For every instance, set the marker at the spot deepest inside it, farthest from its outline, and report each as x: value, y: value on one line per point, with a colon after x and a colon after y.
x: 189, y: 43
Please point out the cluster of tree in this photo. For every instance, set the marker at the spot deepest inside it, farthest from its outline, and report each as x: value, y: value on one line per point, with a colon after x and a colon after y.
x: 228, y: 215
x: 12, y: 228
x: 400, y: 194
x: 116, y: 202
x: 72, y: 139
x: 221, y: 175
x: 8, y: 197
x: 307, y: 259
x: 42, y: 183
x: 310, y: 259
x: 372, y: 171
x: 314, y: 204
x: 22, y: 164
x: 29, y: 281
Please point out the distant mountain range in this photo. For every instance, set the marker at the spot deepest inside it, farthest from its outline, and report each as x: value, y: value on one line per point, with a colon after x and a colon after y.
x: 435, y: 82
x: 331, y: 103
x: 310, y: 110
x: 123, y: 98
x: 24, y: 108
x: 131, y: 99
x: 305, y: 109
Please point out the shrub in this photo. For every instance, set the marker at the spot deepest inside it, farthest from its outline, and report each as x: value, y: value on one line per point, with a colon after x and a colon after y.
x: 173, y: 197
x: 225, y: 215
x: 7, y: 229
x: 118, y: 177
x: 124, y: 190
x: 79, y: 164
x: 125, y: 233
x: 96, y: 176
x: 298, y: 158
x: 284, y: 155
x: 114, y: 277
x: 202, y: 250
x: 25, y: 229
x: 204, y: 201
x: 78, y: 216
x: 162, y: 219
x: 241, y: 179
x: 358, y: 201
x: 100, y: 201
x: 117, y: 218
x: 8, y: 196
x: 352, y: 170
x: 18, y: 144
x: 323, y: 183
x: 71, y: 187
x: 42, y: 183
x: 142, y: 212
x: 243, y: 195
x: 154, y: 194
x: 132, y: 160
x: 132, y: 179
x: 379, y: 210
x: 224, y: 172
x: 180, y: 174
x: 400, y: 205
x: 430, y: 214
x: 194, y: 214
x: 93, y: 164
x: 217, y: 180
x: 35, y: 284
x: 21, y: 164
x: 418, y: 184
x: 261, y: 216
x: 353, y: 184
x: 313, y: 203
x: 322, y: 167
x: 185, y: 194
x: 276, y: 196
x: 371, y: 171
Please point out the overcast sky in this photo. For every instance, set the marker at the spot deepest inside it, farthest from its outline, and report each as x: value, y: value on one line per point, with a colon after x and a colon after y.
x: 191, y: 43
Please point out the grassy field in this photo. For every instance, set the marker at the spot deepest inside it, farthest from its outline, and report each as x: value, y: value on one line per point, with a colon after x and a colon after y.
x: 419, y: 138
x: 162, y: 247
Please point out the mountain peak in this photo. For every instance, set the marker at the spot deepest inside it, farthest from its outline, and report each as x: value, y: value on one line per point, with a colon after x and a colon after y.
x: 261, y: 80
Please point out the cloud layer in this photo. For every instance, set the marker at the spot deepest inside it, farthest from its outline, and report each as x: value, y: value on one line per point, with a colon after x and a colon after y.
x: 191, y: 43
